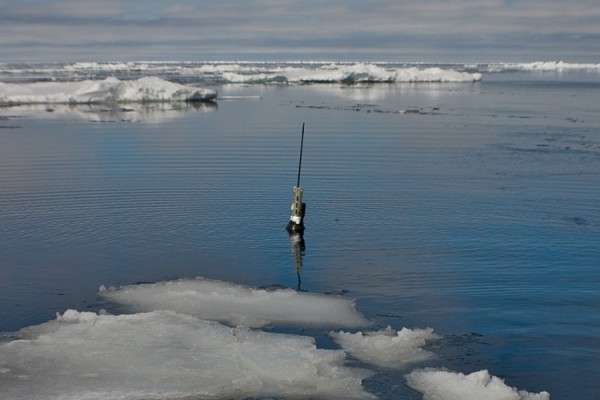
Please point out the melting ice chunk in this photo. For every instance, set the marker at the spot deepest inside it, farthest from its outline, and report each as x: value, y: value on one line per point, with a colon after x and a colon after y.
x: 162, y: 354
x: 239, y: 305
x: 109, y: 90
x: 440, y: 384
x: 387, y: 348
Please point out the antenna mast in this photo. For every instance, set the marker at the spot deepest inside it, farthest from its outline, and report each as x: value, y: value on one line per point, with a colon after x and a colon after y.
x: 296, y: 224
x: 300, y: 162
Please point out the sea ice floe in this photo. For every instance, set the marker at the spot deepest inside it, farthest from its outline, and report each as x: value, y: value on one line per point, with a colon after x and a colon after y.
x: 175, y: 348
x: 109, y: 90
x: 354, y: 73
x: 237, y: 304
x: 165, y: 355
x: 436, y: 384
x: 387, y: 348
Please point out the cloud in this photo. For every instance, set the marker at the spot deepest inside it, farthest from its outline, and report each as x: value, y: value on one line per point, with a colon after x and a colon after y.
x: 250, y: 29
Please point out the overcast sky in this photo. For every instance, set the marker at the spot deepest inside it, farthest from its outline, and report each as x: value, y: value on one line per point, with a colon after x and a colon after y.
x: 345, y: 30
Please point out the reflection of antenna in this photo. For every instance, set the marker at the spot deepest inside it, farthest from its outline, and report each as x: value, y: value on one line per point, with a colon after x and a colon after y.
x: 296, y: 223
x: 298, y: 247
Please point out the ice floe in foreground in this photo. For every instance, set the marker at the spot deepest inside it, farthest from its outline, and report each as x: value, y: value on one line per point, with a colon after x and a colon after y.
x: 237, y: 304
x: 174, y: 347
x: 438, y: 384
x: 109, y: 90
x: 387, y: 348
x: 165, y: 355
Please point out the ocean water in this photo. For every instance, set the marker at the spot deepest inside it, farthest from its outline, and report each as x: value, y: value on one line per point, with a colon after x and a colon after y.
x: 472, y: 208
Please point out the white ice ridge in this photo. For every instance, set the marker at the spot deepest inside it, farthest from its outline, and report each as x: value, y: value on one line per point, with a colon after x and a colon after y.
x: 436, y: 384
x: 165, y: 355
x: 109, y: 90
x: 543, y: 66
x: 237, y: 304
x: 387, y: 348
x: 356, y: 73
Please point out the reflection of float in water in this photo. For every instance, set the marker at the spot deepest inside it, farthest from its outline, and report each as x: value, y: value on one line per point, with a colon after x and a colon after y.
x: 298, y: 247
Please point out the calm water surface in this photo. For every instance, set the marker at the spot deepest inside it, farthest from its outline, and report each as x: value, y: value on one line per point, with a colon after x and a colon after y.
x: 473, y: 209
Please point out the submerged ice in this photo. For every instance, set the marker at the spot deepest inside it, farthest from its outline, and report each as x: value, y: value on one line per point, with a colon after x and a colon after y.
x: 238, y: 304
x: 162, y: 354
x: 109, y: 90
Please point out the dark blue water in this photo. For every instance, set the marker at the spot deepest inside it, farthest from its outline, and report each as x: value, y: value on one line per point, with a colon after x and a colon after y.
x: 473, y: 209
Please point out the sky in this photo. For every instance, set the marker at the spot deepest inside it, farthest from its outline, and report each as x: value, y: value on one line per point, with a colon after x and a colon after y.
x: 277, y: 30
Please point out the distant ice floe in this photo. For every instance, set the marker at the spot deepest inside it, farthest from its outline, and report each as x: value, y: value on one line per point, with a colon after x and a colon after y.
x: 109, y: 90
x: 542, y: 66
x: 340, y: 73
x: 219, y: 72
x: 268, y: 72
x: 387, y: 348
x: 436, y: 384
x: 237, y: 304
x: 165, y: 355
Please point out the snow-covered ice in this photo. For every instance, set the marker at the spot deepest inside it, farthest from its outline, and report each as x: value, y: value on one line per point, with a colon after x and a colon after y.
x: 165, y: 355
x: 109, y: 90
x: 237, y: 304
x: 437, y: 384
x: 387, y: 348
